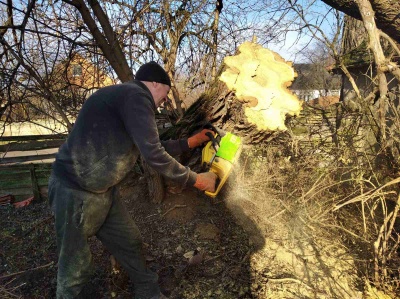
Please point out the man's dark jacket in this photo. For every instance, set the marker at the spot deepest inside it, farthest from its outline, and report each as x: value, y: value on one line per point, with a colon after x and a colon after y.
x: 113, y: 126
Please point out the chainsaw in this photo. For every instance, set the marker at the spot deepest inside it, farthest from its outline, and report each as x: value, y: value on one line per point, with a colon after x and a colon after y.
x: 219, y: 155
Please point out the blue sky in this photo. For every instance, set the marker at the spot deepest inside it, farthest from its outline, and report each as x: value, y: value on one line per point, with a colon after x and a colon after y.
x: 316, y: 13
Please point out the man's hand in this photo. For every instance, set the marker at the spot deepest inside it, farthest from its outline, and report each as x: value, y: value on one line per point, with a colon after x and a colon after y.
x: 199, y: 138
x: 205, y: 181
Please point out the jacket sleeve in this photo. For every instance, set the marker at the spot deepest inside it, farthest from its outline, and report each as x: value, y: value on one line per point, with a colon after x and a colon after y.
x: 175, y: 147
x: 137, y: 113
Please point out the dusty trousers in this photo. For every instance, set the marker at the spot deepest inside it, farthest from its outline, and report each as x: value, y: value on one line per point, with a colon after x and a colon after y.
x: 80, y: 214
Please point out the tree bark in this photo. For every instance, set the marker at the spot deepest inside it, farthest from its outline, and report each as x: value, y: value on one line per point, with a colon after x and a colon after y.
x: 220, y: 108
x: 107, y: 42
x: 367, y: 14
x: 218, y: 9
x: 387, y: 16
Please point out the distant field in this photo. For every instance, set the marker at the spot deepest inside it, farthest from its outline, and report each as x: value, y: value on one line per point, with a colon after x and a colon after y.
x: 40, y: 127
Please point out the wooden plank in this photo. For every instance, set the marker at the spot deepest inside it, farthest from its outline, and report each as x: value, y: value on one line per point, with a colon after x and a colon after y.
x: 43, y: 182
x: 8, y: 170
x: 17, y: 191
x: 11, y: 171
x: 26, y: 158
x: 23, y: 192
x: 25, y: 183
x: 33, y: 137
x: 32, y: 145
x: 14, y: 176
x: 42, y: 174
x: 23, y: 179
x: 38, y: 167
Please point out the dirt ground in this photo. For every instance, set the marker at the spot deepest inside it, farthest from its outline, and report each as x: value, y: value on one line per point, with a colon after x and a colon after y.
x: 183, y: 225
x: 254, y: 243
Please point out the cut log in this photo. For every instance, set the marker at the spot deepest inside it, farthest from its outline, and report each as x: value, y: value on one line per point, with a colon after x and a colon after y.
x: 251, y: 98
x: 259, y: 78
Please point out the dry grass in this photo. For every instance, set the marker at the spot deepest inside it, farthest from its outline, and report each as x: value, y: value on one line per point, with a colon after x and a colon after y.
x: 322, y: 229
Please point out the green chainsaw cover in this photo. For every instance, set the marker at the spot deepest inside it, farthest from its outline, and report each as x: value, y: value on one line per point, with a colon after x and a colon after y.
x: 228, y: 147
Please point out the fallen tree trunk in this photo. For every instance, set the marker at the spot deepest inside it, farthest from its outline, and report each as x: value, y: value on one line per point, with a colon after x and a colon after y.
x: 250, y: 99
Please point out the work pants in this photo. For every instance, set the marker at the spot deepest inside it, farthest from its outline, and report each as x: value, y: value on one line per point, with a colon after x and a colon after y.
x: 81, y: 214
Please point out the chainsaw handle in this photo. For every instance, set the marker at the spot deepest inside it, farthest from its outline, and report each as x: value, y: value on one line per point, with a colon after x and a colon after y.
x: 210, y: 135
x: 215, y: 142
x: 214, y: 129
x: 210, y: 127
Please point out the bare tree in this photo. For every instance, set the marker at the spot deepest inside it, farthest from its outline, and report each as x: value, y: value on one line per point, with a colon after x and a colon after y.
x: 25, y: 70
x: 374, y: 42
x: 183, y: 35
x: 34, y: 63
x: 165, y: 27
x: 104, y: 35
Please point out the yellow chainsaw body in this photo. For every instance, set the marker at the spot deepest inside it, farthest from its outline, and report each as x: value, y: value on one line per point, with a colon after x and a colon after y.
x: 221, y: 167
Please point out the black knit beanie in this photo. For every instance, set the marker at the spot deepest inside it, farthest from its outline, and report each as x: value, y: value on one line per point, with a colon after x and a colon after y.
x: 153, y: 72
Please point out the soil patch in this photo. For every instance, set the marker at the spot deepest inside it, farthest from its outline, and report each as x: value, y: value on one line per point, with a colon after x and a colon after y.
x: 183, y: 225
x: 249, y: 245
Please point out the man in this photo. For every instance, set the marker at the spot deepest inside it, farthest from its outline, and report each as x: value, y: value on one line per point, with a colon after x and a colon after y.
x: 114, y: 126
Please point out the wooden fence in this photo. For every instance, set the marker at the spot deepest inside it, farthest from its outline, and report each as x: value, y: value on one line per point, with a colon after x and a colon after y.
x: 25, y: 164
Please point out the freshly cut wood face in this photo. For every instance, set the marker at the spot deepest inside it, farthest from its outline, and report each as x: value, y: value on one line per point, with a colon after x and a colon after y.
x: 260, y: 79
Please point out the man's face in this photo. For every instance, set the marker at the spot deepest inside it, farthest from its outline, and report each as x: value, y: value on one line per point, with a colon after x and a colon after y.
x: 160, y: 94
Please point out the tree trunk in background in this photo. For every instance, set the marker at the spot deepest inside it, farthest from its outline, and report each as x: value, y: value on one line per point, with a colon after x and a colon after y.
x: 169, y: 64
x: 386, y: 14
x: 107, y: 42
x: 178, y: 101
x: 368, y: 56
x: 374, y: 45
x: 218, y: 9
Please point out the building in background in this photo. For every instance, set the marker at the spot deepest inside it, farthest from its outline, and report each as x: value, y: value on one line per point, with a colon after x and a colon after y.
x: 82, y: 73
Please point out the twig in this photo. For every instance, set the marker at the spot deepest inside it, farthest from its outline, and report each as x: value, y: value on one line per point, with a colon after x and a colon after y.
x: 364, y: 197
x: 37, y: 224
x: 173, y: 208
x: 119, y: 288
x: 391, y: 41
x: 17, y: 287
x: 9, y: 282
x: 152, y: 215
x: 9, y: 293
x: 276, y: 215
x: 33, y: 269
x: 347, y: 231
x: 218, y: 256
x: 289, y: 280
